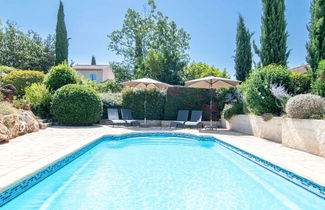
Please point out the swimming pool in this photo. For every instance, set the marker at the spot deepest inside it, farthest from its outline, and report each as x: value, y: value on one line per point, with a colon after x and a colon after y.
x: 163, y: 171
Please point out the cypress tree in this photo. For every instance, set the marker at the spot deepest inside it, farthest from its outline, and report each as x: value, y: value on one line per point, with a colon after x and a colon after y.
x: 61, y: 39
x: 273, y: 34
x: 93, y: 60
x: 243, y: 52
x: 316, y: 45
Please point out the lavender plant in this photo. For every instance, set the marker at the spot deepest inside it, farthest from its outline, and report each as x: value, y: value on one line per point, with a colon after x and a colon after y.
x: 280, y: 93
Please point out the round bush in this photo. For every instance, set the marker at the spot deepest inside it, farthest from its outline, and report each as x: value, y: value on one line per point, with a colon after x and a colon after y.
x: 59, y: 76
x: 257, y: 89
x: 306, y: 106
x: 21, y: 79
x: 76, y: 105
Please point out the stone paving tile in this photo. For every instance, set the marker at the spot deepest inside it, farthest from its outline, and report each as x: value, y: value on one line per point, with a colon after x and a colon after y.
x: 29, y: 153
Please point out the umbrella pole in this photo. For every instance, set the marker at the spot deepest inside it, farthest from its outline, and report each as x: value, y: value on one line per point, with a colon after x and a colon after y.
x: 145, y: 105
x: 210, y: 106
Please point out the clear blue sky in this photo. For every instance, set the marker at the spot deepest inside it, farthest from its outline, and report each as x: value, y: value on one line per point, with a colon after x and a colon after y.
x: 211, y: 23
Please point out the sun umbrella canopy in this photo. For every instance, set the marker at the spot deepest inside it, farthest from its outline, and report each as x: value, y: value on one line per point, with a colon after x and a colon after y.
x: 211, y: 82
x: 146, y: 83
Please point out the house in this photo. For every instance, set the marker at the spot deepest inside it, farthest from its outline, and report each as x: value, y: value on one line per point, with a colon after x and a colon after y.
x: 98, y: 73
x: 300, y: 69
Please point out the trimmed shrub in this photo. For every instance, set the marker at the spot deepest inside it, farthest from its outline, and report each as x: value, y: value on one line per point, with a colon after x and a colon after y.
x: 21, y: 79
x: 306, y: 106
x: 301, y: 83
x: 110, y: 100
x: 59, y: 76
x: 40, y: 99
x: 319, y: 83
x: 76, y: 105
x: 257, y: 89
x: 134, y: 100
x: 109, y: 86
x: 233, y: 109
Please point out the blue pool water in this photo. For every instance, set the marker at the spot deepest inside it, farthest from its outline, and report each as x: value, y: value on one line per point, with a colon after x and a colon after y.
x: 160, y: 172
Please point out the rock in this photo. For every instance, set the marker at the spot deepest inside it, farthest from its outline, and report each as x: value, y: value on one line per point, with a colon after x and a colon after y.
x: 11, y: 122
x: 22, y: 127
x: 31, y: 123
x: 4, y: 133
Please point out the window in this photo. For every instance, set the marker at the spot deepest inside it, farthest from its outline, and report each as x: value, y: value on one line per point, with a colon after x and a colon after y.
x: 93, y: 77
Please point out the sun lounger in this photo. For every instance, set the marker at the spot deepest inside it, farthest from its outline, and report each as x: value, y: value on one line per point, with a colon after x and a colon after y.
x: 182, y: 117
x: 127, y: 116
x: 113, y: 117
x: 196, y: 120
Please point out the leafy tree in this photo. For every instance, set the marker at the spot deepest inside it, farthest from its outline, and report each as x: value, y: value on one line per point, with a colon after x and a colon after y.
x: 146, y: 37
x: 273, y: 34
x: 243, y: 52
x: 199, y: 70
x: 25, y: 50
x: 61, y: 39
x: 93, y: 60
x: 121, y: 71
x: 316, y: 45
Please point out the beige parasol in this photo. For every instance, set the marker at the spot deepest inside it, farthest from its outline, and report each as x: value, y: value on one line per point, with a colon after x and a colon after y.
x: 145, y: 83
x: 211, y: 82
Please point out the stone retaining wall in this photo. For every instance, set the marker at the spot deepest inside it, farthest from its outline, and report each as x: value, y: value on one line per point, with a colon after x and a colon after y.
x: 306, y: 135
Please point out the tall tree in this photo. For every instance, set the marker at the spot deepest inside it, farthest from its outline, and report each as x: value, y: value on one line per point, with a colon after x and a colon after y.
x: 316, y: 45
x: 273, y: 34
x: 243, y: 52
x: 150, y: 40
x: 61, y: 39
x: 25, y: 50
x: 93, y: 60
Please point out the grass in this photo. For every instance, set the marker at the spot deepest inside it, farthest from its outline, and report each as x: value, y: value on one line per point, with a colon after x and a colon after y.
x: 7, y: 108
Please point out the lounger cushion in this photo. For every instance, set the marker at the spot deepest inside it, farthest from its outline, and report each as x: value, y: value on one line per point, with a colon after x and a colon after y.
x: 118, y: 122
x: 176, y: 123
x: 133, y: 122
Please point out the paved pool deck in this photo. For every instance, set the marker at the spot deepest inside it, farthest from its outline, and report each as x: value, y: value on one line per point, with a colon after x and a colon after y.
x: 25, y: 155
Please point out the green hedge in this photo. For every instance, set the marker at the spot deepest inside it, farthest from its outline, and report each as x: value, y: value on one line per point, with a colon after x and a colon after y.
x: 179, y: 98
x: 76, y: 105
x: 21, y: 79
x: 134, y: 99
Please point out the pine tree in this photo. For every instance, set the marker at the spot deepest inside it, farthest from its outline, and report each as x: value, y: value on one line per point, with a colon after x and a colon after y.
x: 243, y: 52
x: 61, y: 39
x: 316, y: 45
x: 273, y: 34
x: 93, y: 60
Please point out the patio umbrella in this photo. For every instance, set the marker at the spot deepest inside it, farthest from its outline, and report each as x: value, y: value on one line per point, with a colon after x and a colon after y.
x: 145, y: 83
x: 211, y: 82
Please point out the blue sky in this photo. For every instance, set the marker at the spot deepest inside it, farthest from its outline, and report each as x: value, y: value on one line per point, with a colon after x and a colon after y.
x: 211, y: 23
